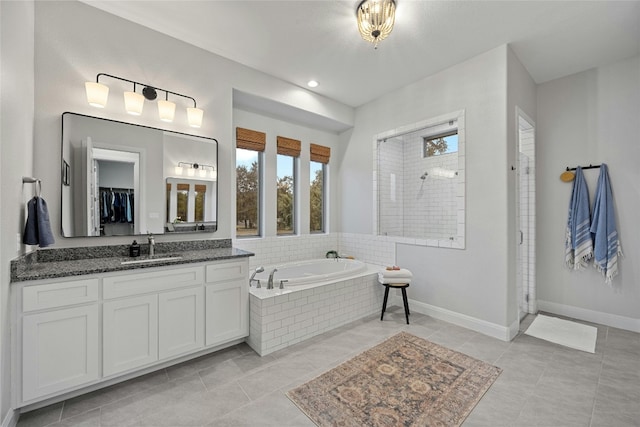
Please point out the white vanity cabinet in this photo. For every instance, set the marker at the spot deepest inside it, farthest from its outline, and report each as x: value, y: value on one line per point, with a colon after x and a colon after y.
x: 145, y: 317
x: 96, y: 330
x: 60, y: 336
x: 227, y: 294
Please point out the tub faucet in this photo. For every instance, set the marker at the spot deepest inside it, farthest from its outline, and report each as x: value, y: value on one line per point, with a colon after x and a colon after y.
x: 152, y: 245
x: 270, y: 282
x: 251, y: 280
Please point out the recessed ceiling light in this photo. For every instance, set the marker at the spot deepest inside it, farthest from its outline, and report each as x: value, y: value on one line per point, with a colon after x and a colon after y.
x: 312, y: 83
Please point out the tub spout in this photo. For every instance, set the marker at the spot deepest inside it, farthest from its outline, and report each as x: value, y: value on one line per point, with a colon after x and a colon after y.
x: 270, y: 282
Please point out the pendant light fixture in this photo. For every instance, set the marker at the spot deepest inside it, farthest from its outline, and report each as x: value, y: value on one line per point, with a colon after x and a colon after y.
x: 133, y: 102
x: 376, y: 19
x: 98, y: 93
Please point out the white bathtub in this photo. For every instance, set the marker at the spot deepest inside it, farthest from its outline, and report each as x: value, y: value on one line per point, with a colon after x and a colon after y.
x: 321, y: 295
x: 307, y: 274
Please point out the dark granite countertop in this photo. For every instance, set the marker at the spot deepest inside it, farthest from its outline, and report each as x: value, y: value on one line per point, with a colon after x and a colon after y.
x: 68, y: 262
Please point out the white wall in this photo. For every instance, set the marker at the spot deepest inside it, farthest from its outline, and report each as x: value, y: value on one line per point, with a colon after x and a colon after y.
x: 16, y: 158
x: 74, y: 42
x: 447, y: 278
x: 590, y: 117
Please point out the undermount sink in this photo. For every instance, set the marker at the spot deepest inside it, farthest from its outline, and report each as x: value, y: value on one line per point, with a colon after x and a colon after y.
x: 149, y: 260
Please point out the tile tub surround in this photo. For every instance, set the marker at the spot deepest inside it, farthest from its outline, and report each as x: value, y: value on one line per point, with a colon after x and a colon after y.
x: 291, y: 316
x: 67, y: 262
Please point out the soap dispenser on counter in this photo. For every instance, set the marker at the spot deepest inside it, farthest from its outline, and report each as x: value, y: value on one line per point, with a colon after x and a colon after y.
x: 134, y: 249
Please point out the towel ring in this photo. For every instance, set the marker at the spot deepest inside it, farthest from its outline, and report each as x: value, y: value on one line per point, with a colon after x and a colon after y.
x: 36, y: 181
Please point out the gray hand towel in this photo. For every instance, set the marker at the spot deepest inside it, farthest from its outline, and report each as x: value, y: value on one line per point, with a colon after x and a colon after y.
x: 37, y: 231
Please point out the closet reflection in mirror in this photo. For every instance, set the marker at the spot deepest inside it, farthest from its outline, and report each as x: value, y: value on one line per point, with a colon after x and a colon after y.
x: 420, y: 182
x: 191, y: 205
x: 116, y: 175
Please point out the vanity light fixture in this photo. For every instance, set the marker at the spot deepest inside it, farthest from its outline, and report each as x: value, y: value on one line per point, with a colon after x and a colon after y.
x: 376, y: 19
x: 200, y: 168
x: 98, y: 93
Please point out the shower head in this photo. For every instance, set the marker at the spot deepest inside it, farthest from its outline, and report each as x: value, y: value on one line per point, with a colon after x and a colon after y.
x: 424, y: 176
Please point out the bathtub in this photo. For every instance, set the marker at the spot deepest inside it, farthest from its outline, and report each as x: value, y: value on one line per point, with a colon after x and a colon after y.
x: 320, y: 295
x: 311, y: 272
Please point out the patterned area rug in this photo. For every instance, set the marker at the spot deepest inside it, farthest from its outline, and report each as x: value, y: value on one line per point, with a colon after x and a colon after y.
x: 404, y: 381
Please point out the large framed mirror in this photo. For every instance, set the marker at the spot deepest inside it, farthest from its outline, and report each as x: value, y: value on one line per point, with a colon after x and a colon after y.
x: 118, y: 179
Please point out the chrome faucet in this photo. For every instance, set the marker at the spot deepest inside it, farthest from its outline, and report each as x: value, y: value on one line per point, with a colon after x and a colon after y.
x: 152, y: 245
x: 270, y: 283
x: 256, y: 271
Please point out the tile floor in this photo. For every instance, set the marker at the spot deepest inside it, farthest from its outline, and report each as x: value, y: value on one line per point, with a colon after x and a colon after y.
x: 542, y: 384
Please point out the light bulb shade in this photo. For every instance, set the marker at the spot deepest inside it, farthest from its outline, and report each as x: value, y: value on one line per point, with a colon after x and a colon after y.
x: 97, y: 94
x: 178, y: 170
x: 376, y: 19
x: 133, y: 103
x: 194, y: 115
x: 214, y: 175
x: 191, y: 171
x: 166, y: 110
x: 202, y: 173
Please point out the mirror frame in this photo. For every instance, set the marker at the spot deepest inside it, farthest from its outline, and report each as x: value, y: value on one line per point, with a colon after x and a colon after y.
x: 64, y: 170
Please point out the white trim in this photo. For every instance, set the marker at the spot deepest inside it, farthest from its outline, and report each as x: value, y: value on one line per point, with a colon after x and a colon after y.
x: 503, y: 333
x: 11, y: 419
x: 607, y: 319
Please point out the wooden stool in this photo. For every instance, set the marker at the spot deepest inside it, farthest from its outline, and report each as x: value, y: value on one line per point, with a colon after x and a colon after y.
x: 402, y: 286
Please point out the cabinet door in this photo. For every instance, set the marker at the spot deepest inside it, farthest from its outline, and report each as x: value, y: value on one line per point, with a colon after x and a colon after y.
x: 227, y: 311
x: 181, y: 315
x: 60, y: 350
x: 130, y: 333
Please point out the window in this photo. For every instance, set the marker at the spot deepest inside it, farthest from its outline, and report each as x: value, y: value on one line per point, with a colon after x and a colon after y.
x: 200, y: 194
x: 316, y: 197
x: 249, y: 146
x: 286, y: 195
x: 247, y: 192
x: 440, y: 144
x: 288, y: 152
x: 182, y: 202
x: 319, y: 155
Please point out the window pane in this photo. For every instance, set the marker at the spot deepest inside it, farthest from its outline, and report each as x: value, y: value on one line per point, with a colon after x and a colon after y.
x: 286, y: 195
x: 182, y: 202
x: 201, y: 191
x: 247, y: 192
x: 316, y: 196
x: 168, y: 196
x: 443, y: 144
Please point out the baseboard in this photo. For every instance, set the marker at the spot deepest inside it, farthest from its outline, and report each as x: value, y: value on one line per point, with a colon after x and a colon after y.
x: 11, y: 419
x: 607, y: 319
x: 503, y: 333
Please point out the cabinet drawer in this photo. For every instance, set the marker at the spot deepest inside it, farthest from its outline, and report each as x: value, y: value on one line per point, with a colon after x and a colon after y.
x: 61, y: 294
x: 155, y: 281
x: 227, y: 271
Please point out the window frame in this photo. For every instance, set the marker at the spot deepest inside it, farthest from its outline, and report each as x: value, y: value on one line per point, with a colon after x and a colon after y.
x: 324, y: 168
x: 260, y: 197
x: 295, y: 197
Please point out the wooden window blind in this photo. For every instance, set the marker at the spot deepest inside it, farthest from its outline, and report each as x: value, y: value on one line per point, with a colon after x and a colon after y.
x: 250, y: 139
x: 320, y: 153
x: 289, y: 147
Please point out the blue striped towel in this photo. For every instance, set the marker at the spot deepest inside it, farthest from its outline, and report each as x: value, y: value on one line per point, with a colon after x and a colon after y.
x: 603, y: 226
x: 578, y: 245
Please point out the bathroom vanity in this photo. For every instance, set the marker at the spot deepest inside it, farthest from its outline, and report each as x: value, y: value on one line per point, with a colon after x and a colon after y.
x: 82, y: 323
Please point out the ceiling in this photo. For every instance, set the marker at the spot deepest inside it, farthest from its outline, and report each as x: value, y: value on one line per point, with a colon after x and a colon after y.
x: 301, y: 40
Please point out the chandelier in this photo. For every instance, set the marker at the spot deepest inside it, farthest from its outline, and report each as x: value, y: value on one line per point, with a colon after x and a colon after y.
x: 376, y: 19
